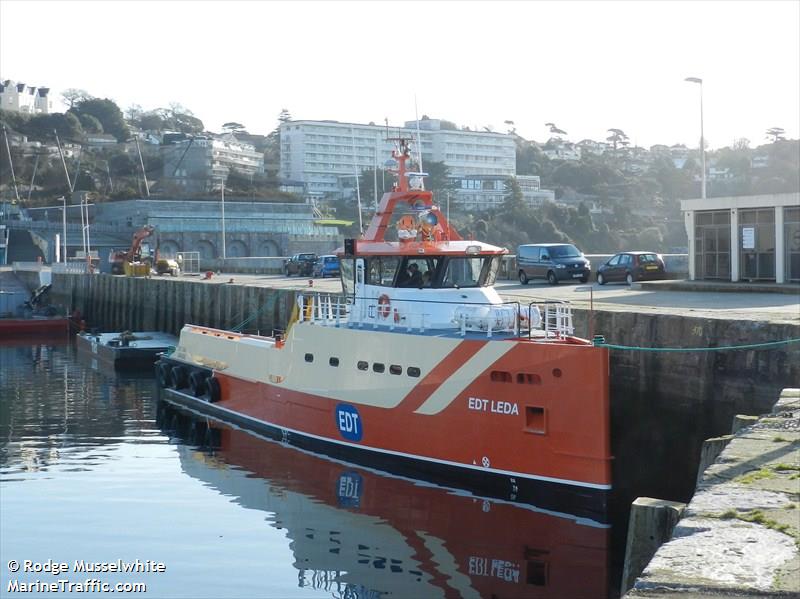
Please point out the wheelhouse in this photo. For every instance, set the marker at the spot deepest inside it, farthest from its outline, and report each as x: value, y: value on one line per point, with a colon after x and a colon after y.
x: 424, y: 272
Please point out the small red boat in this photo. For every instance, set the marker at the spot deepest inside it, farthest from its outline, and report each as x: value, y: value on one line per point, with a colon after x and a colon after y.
x: 419, y: 365
x: 35, y: 325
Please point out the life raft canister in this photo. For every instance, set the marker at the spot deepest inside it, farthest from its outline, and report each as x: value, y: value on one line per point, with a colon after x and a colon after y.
x: 384, y: 306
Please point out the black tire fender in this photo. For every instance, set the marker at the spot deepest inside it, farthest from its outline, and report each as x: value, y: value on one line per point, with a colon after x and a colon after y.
x: 177, y: 377
x: 214, y: 389
x: 197, y: 383
x: 163, y: 374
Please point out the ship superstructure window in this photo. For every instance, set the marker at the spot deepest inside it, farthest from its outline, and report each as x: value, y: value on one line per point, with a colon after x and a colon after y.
x: 309, y: 357
x: 378, y: 367
x: 526, y: 378
x: 362, y: 365
x: 480, y: 271
x: 500, y: 376
x: 395, y: 369
x: 382, y: 270
x: 412, y: 371
x: 333, y: 361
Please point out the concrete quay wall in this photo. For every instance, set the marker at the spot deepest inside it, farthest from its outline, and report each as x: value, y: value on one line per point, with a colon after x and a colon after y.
x: 113, y: 303
x: 746, y: 381
x: 739, y: 535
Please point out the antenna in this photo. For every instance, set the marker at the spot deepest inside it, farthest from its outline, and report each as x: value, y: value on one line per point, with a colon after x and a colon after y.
x: 355, y: 170
x: 419, y: 139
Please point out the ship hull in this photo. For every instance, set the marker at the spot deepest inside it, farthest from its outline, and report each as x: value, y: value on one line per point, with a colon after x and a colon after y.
x: 558, y: 497
x: 510, y: 419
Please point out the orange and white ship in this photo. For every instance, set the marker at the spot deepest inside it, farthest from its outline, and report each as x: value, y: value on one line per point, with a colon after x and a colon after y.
x: 419, y: 367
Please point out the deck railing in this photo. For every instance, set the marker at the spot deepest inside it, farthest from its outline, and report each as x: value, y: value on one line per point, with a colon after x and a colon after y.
x: 544, y: 321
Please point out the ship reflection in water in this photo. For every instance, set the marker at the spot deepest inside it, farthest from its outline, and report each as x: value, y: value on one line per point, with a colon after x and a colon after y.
x: 358, y: 533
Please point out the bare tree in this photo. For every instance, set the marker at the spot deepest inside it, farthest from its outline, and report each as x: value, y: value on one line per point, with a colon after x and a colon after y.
x: 776, y: 133
x: 73, y: 95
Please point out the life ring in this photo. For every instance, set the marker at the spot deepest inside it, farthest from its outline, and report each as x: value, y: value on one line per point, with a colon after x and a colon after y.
x: 384, y: 306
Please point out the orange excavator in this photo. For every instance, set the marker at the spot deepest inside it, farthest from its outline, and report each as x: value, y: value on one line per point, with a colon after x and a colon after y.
x: 129, y: 261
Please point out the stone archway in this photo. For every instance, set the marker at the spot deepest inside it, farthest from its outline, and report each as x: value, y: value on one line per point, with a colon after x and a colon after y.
x: 207, y: 249
x: 236, y: 249
x: 269, y: 248
x: 169, y: 248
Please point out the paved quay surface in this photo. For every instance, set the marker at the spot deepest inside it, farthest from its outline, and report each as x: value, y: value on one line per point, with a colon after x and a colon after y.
x: 740, y: 533
x: 645, y: 297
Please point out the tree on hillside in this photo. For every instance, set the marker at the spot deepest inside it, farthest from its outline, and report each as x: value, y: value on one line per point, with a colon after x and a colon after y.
x: 133, y: 113
x: 72, y: 96
x: 90, y: 124
x: 285, y: 116
x: 617, y: 137
x: 438, y: 180
x: 233, y: 127
x: 366, y: 182
x: 776, y: 133
x: 555, y: 130
x: 40, y: 127
x: 107, y: 112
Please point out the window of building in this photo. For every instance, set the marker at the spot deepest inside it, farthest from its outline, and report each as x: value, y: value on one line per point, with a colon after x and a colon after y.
x: 757, y: 244
x: 791, y: 241
x: 712, y: 245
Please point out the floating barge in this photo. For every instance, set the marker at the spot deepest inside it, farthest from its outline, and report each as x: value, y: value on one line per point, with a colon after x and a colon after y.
x: 126, y: 350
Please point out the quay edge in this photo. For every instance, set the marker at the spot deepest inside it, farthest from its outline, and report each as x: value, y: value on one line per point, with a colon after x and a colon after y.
x: 745, y: 381
x: 740, y: 534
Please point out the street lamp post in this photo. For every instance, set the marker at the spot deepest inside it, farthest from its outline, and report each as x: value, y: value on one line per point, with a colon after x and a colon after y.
x: 222, y: 197
x: 702, y: 139
x: 64, y: 227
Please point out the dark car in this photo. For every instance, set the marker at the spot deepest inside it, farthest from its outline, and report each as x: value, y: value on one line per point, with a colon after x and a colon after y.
x: 552, y: 261
x: 326, y: 266
x: 300, y: 264
x: 630, y: 267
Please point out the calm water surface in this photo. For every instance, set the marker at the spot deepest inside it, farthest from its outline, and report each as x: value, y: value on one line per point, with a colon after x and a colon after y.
x: 94, y: 468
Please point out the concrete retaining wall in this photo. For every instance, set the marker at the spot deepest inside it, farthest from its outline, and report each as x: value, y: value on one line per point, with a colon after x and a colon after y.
x: 742, y: 380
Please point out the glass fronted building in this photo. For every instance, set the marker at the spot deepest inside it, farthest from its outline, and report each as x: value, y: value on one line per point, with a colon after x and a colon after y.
x: 744, y: 238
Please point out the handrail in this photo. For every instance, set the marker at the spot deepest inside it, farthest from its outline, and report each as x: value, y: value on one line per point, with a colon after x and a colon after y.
x: 553, y: 318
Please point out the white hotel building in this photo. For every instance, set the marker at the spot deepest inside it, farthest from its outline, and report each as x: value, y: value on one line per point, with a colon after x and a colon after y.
x: 326, y: 156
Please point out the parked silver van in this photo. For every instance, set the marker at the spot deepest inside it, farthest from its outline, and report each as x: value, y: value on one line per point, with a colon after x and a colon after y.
x: 552, y: 261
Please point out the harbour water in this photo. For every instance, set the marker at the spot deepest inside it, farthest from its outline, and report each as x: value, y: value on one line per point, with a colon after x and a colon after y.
x: 97, y: 474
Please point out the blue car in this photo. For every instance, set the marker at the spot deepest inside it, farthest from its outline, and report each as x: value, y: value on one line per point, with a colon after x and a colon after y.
x: 326, y: 266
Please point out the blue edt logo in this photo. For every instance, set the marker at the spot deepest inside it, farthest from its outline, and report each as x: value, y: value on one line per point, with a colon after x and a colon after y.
x: 349, y: 488
x: 349, y: 422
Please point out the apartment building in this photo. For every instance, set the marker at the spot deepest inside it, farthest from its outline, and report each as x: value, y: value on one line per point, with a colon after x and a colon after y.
x: 199, y: 164
x: 19, y: 97
x: 486, y: 192
x: 327, y: 156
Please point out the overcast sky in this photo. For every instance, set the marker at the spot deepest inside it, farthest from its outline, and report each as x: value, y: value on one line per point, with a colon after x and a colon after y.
x: 586, y: 66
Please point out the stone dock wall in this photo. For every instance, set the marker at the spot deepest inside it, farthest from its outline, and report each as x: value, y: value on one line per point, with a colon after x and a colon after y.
x: 739, y: 535
x: 747, y: 381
